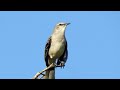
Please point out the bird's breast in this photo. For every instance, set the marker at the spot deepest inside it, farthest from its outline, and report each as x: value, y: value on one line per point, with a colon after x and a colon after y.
x: 56, y: 49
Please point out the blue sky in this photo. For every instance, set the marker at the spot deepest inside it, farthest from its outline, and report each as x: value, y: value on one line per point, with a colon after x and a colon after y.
x: 93, y: 43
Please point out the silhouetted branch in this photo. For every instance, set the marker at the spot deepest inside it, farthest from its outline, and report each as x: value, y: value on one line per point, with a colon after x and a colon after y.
x: 40, y: 73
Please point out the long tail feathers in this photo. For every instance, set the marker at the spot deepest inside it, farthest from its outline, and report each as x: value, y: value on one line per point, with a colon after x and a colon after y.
x: 46, y: 75
x: 50, y: 74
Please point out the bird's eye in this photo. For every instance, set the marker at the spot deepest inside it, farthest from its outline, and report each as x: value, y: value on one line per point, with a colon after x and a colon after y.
x: 60, y: 24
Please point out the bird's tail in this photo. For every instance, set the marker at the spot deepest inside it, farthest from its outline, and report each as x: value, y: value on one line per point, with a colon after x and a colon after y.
x: 46, y: 74
x: 50, y: 74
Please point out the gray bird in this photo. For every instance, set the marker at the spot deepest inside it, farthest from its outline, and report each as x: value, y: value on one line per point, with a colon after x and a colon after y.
x: 56, y: 49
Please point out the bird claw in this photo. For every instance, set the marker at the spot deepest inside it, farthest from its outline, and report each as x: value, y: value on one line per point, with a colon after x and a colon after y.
x: 62, y: 64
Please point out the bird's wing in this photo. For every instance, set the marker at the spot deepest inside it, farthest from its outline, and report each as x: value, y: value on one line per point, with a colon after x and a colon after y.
x: 64, y: 56
x: 47, y: 46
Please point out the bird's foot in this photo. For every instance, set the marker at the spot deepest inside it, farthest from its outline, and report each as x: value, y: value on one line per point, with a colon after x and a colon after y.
x: 62, y: 64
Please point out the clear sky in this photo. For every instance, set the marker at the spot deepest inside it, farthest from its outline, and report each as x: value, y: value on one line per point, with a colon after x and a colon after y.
x: 93, y: 43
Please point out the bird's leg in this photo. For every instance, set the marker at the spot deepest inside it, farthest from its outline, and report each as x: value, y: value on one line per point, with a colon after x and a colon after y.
x: 62, y: 64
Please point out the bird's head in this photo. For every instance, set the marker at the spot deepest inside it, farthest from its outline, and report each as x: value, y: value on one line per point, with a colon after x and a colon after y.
x: 61, y: 26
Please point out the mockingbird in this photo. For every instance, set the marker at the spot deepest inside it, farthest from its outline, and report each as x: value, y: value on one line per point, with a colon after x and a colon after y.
x: 56, y: 49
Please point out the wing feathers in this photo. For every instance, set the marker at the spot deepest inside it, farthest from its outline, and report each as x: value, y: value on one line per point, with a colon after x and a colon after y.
x: 47, y: 46
x: 64, y: 56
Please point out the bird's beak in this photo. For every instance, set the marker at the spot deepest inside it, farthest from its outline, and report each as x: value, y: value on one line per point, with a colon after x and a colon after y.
x: 67, y: 23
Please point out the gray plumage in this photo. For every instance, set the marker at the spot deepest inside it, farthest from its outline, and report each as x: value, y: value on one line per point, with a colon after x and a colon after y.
x: 56, y: 49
